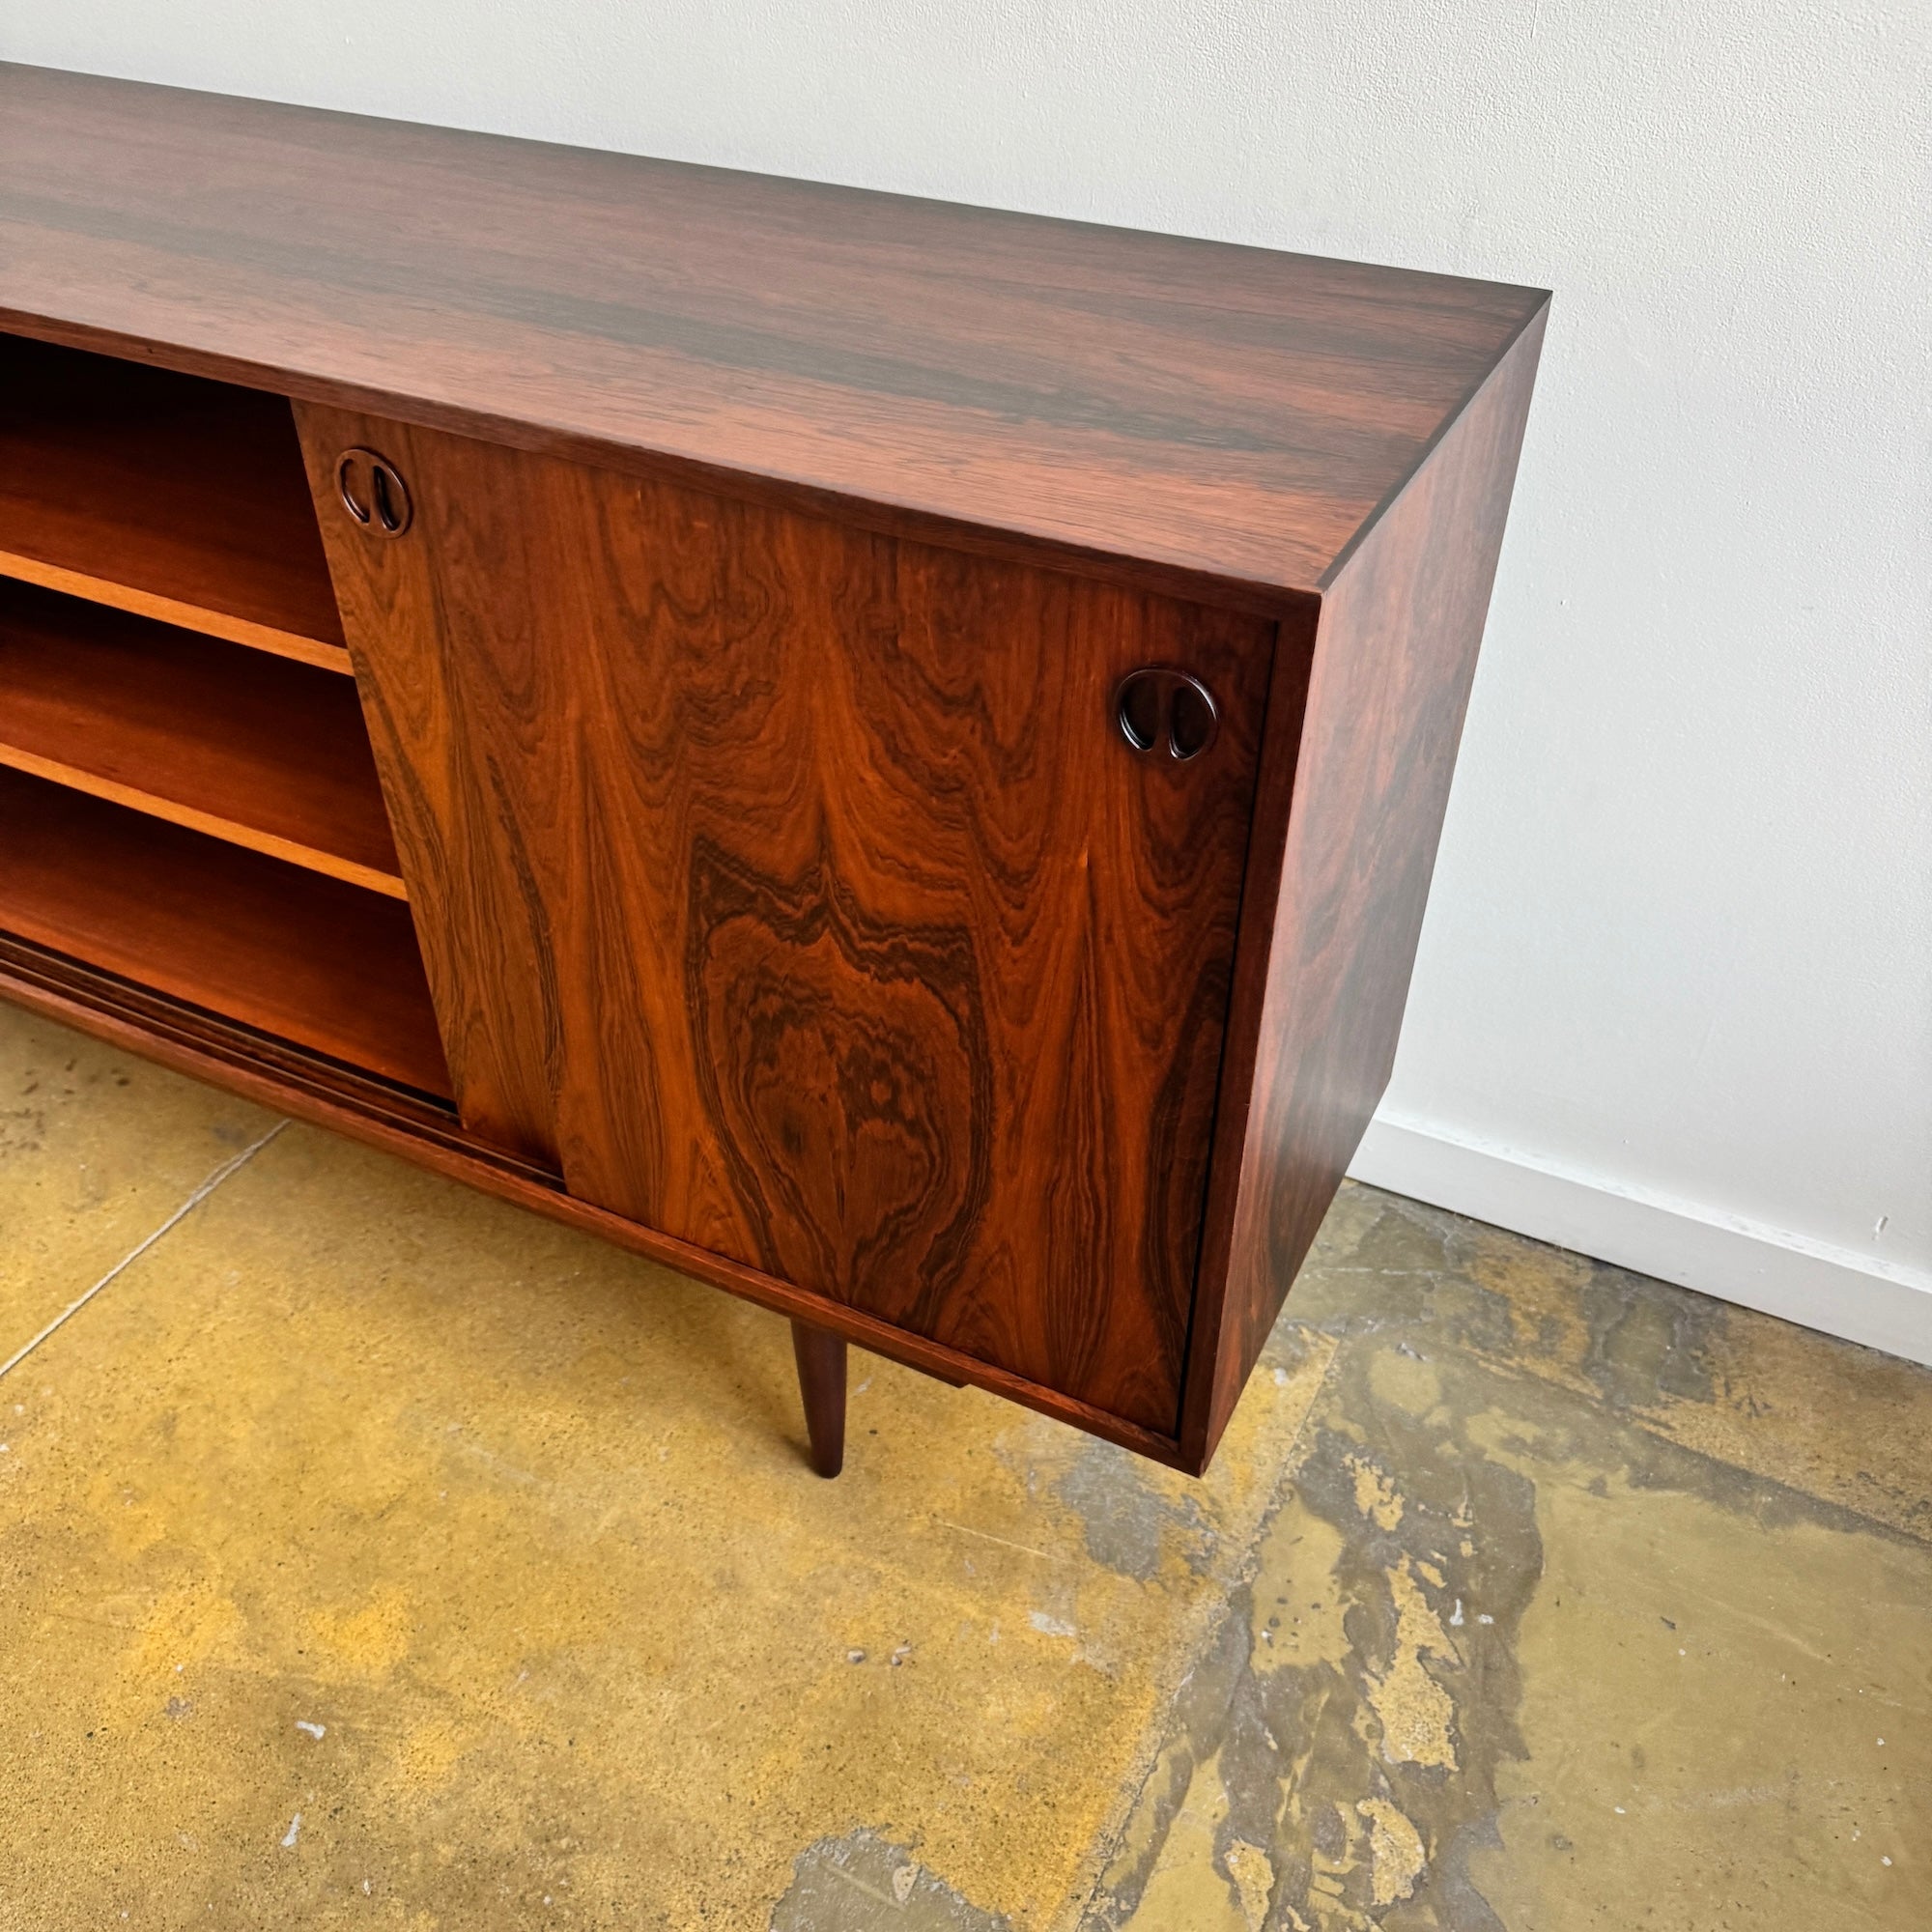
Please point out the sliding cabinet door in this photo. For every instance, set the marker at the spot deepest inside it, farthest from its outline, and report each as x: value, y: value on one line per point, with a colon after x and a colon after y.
x: 797, y: 890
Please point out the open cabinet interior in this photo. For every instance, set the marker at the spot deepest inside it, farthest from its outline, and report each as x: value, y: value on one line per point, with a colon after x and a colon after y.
x: 189, y: 802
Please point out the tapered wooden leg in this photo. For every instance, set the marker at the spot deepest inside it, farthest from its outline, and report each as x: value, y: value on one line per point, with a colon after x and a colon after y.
x: 821, y: 1380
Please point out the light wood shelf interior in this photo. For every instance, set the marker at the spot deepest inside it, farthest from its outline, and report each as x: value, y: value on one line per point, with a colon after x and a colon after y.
x: 258, y: 749
x: 289, y: 951
x: 188, y: 802
x: 169, y: 496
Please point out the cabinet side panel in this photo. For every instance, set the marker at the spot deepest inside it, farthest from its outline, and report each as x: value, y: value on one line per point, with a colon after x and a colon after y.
x: 790, y: 884
x: 1394, y: 658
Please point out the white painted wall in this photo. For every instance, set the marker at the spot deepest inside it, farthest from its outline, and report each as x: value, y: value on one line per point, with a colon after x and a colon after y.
x: 1675, y: 1003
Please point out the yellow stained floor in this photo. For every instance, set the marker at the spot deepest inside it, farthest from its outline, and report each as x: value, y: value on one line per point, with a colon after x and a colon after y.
x: 372, y: 1553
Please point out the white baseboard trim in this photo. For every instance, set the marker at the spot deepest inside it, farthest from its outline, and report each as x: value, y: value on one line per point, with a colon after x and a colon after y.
x: 1863, y: 1300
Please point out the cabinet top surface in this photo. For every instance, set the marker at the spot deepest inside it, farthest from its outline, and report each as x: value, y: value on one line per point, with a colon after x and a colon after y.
x: 1226, y: 414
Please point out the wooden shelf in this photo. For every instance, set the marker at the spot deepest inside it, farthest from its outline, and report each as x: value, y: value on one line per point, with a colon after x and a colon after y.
x: 277, y: 1072
x: 290, y: 953
x: 253, y: 749
x: 163, y: 493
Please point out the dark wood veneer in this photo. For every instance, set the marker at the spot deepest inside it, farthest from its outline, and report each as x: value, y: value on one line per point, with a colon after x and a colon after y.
x: 845, y: 937
x: 1139, y: 403
x: 785, y: 898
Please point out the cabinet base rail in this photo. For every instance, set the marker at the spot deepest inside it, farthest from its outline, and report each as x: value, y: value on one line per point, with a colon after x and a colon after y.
x: 424, y: 1129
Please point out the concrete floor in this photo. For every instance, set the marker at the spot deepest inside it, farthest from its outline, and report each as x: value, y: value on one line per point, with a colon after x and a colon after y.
x: 374, y: 1553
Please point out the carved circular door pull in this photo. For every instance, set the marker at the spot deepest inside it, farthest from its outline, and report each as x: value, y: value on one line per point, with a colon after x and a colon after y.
x: 1163, y: 711
x: 373, y: 491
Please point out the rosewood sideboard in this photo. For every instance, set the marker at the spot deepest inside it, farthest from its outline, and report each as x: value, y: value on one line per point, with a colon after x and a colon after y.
x: 888, y: 755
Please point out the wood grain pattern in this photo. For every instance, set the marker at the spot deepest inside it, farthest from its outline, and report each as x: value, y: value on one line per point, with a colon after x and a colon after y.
x: 1189, y: 413
x: 789, y: 886
x: 1338, y: 880
x: 161, y: 494
x: 284, y: 950
x: 257, y: 749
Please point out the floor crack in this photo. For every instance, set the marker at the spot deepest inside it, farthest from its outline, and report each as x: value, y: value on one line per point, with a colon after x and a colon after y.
x: 128, y: 1260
